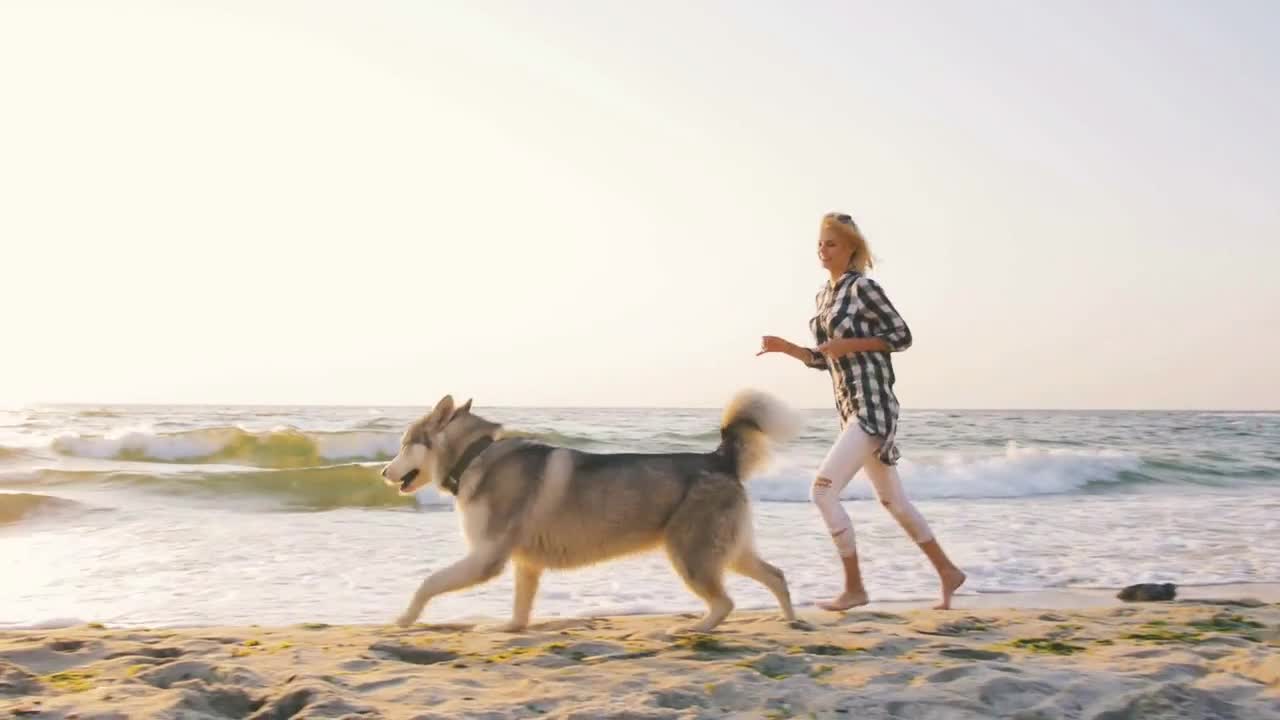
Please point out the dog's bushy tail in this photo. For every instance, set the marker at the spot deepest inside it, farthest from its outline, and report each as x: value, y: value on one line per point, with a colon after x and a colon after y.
x: 753, y: 421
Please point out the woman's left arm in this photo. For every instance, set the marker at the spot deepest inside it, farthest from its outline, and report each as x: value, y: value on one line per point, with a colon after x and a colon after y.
x: 893, y: 333
x: 848, y: 346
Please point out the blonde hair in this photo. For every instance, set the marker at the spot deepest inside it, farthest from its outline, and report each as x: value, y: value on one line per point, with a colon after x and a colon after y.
x: 845, y: 227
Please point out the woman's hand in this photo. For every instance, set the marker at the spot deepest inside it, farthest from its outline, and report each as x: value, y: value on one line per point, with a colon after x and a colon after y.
x: 769, y: 344
x: 811, y: 358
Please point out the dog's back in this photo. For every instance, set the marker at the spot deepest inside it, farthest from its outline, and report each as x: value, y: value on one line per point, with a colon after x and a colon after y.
x: 568, y: 508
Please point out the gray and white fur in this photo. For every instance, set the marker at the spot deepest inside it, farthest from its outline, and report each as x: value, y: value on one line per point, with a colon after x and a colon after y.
x: 542, y: 507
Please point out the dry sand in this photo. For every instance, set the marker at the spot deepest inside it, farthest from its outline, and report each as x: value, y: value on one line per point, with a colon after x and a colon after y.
x: 1185, y: 659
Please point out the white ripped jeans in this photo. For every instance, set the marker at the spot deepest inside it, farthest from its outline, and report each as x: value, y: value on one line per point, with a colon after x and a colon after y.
x: 852, y: 451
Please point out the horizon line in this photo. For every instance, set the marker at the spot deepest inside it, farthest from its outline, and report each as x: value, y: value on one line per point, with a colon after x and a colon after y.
x: 37, y: 405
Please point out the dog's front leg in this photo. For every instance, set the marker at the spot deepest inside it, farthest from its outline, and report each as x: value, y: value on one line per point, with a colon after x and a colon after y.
x: 527, y: 577
x: 477, y: 567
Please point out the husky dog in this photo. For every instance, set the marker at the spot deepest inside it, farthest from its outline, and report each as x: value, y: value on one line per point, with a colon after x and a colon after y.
x: 545, y: 507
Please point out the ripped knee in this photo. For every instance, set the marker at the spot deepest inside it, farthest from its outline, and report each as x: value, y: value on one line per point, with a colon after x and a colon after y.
x: 820, y: 491
x: 827, y: 499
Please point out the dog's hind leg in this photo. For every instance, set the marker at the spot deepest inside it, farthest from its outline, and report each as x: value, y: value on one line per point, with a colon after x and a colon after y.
x: 700, y: 545
x: 481, y: 564
x: 527, y: 576
x: 750, y: 564
x: 707, y: 580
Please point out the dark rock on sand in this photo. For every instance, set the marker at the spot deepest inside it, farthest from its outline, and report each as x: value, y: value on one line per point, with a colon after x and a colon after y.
x: 1148, y: 592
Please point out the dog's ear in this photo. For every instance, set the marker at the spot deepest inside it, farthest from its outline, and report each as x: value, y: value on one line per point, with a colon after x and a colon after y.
x: 442, y: 412
x: 464, y: 408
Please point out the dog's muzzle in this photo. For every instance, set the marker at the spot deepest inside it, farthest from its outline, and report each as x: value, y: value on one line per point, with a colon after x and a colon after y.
x: 408, y: 478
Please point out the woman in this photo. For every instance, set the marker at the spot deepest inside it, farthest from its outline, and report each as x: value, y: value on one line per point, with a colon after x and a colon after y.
x: 856, y: 328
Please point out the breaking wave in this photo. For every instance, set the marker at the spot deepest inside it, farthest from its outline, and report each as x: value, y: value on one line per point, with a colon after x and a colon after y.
x: 284, y: 448
x: 278, y: 449
x: 1019, y: 472
x: 18, y: 506
x: 316, y: 488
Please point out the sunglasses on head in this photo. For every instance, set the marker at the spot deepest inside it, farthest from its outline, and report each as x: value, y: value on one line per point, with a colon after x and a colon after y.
x: 844, y: 218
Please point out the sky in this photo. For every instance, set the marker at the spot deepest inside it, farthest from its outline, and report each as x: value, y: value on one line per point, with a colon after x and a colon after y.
x: 1074, y: 204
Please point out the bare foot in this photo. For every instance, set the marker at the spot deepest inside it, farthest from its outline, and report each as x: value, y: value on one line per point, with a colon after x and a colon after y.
x: 951, y: 582
x: 846, y: 601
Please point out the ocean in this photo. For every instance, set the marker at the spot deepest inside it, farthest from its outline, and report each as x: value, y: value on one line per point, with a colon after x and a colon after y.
x: 179, y: 516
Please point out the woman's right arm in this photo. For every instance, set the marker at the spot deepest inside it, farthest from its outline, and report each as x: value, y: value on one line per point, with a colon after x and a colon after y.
x: 812, y: 358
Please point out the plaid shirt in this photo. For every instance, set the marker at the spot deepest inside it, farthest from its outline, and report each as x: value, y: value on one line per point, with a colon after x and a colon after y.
x: 855, y: 306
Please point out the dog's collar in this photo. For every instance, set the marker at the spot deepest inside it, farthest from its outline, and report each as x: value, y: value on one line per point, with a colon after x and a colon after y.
x: 469, y: 455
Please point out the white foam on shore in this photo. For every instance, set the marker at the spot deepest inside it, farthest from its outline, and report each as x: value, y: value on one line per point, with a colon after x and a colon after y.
x: 1017, y: 472
x: 191, y: 565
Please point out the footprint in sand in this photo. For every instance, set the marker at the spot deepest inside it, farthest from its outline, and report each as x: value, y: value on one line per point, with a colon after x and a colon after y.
x: 893, y: 647
x: 164, y: 676
x: 1177, y: 672
x: 379, y: 684
x: 954, y: 628
x: 677, y: 699
x: 229, y: 702
x: 868, y: 616
x: 777, y: 667
x: 66, y: 646
x: 961, y: 653
x: 158, y: 653
x: 1006, y: 696
x: 411, y: 654
x: 950, y: 674
x: 16, y: 681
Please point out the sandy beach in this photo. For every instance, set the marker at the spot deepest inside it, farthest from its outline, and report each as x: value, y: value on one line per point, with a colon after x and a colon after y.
x: 1202, y: 657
